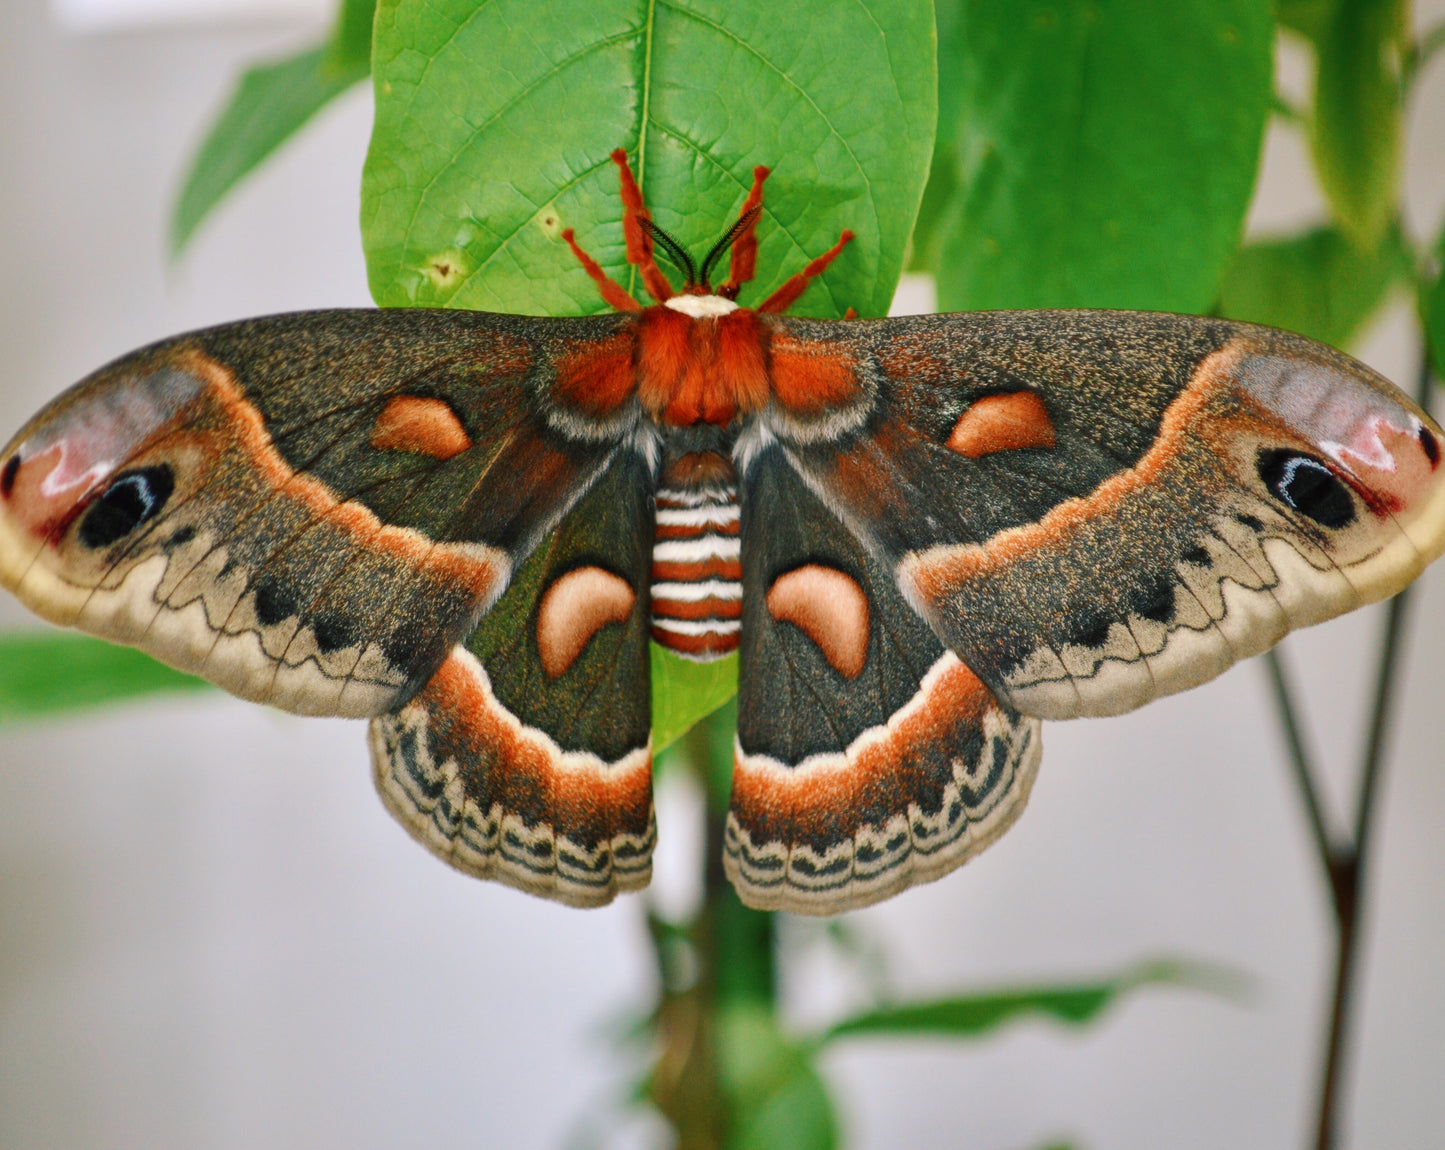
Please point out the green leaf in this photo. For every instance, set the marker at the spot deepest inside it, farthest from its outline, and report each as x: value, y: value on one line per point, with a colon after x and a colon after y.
x: 974, y: 1015
x: 1317, y: 283
x: 46, y: 673
x: 494, y: 128
x: 269, y: 105
x: 776, y: 1094
x: 1105, y: 151
x: 684, y: 692
x: 1356, y: 137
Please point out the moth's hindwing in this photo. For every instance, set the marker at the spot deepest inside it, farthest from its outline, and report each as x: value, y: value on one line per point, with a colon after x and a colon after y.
x: 527, y: 758
x: 309, y: 510
x: 1097, y: 508
x: 868, y: 757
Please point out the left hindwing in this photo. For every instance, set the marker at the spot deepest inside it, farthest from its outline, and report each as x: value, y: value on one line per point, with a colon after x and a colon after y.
x: 527, y: 758
x: 868, y: 757
x: 1096, y: 508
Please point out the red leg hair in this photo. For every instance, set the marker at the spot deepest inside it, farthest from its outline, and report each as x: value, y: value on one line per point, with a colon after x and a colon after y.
x: 787, y: 295
x: 639, y: 243
x: 744, y: 260
x: 613, y: 294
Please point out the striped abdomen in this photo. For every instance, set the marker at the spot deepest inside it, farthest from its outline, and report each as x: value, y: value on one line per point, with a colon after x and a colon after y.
x: 697, y: 591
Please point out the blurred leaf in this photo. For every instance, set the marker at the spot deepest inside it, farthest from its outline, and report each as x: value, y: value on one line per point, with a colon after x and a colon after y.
x: 1317, y: 283
x: 493, y: 130
x: 1310, y: 18
x: 47, y: 673
x: 1356, y: 136
x: 942, y: 186
x: 350, y: 44
x: 970, y: 1016
x: 776, y: 1094
x: 269, y: 105
x: 1105, y: 152
x: 1432, y: 309
x: 1418, y: 56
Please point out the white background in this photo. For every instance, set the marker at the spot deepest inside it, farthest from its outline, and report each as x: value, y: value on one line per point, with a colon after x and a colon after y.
x: 211, y: 934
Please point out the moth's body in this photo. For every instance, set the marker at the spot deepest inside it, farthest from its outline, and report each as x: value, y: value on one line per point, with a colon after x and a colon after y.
x: 921, y: 535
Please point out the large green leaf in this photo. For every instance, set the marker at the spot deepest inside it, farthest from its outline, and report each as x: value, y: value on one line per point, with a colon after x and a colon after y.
x: 1105, y: 152
x: 1356, y: 137
x: 494, y: 128
x: 49, y: 672
x: 270, y: 104
x: 1317, y: 283
x: 974, y: 1015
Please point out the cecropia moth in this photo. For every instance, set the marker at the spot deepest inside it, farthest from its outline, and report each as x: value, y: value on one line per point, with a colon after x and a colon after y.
x: 923, y: 535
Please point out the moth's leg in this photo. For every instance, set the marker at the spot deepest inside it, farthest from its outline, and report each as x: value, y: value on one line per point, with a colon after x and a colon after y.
x: 787, y: 295
x: 639, y: 242
x: 744, y: 241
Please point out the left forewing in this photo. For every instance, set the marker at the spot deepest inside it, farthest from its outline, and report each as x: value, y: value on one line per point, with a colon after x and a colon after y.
x: 309, y: 510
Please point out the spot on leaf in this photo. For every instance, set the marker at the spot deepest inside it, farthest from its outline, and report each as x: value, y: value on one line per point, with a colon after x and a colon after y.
x: 445, y: 269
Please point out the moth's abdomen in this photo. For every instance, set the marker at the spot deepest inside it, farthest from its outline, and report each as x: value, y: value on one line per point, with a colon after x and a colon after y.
x: 697, y: 591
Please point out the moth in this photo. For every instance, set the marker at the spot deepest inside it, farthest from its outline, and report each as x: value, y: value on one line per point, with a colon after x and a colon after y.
x: 923, y: 535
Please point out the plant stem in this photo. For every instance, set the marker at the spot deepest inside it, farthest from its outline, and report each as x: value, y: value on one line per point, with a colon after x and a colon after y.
x: 1299, y: 758
x: 732, y: 952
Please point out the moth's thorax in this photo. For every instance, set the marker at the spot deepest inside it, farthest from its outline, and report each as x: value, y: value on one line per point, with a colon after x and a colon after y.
x: 702, y: 359
x: 707, y: 369
x: 696, y: 557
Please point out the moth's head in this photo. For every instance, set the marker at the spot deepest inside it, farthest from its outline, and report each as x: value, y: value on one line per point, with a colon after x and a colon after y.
x: 698, y: 299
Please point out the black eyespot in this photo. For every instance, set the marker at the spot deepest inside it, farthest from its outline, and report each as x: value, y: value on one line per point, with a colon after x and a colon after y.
x: 1155, y: 600
x: 1093, y: 632
x: 273, y: 604
x: 1306, y: 485
x: 332, y: 633
x: 1250, y: 521
x: 131, y: 499
x: 7, y: 476
x: 1196, y: 555
x: 182, y: 536
x: 1427, y: 441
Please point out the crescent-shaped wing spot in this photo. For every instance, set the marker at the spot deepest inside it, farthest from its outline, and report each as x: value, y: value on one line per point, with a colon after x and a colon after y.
x: 576, y: 607
x: 830, y: 608
x: 1001, y: 423
x: 420, y: 425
